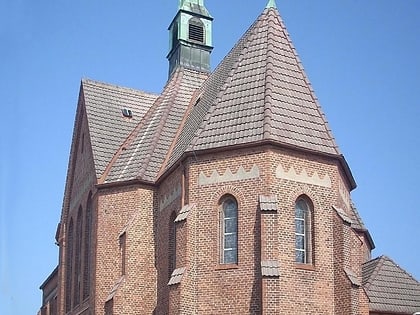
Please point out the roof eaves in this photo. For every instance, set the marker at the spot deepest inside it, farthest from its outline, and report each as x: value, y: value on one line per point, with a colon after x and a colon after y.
x: 268, y: 142
x: 50, y: 276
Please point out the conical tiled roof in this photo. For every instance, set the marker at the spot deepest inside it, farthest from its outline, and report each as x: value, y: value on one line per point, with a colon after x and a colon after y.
x: 390, y: 289
x: 265, y: 95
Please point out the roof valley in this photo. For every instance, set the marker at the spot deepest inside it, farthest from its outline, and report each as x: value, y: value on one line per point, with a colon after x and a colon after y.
x: 163, y: 119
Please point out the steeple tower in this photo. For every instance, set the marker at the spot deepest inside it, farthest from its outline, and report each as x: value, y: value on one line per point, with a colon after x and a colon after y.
x: 190, y: 37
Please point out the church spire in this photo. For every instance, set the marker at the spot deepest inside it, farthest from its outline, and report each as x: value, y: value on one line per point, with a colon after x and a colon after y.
x: 190, y: 40
x: 271, y: 4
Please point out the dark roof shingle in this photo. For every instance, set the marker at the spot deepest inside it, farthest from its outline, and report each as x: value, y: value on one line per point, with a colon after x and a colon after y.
x: 108, y: 128
x: 389, y: 288
x: 146, y: 148
x: 265, y: 95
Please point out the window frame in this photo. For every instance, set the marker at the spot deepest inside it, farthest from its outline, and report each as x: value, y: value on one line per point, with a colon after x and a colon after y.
x: 223, y: 260
x: 305, y: 206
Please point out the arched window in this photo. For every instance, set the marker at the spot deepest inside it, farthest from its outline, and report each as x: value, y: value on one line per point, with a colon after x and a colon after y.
x: 303, y: 232
x: 196, y: 30
x: 78, y: 259
x: 87, y: 248
x: 171, y: 244
x: 229, y: 230
x: 69, y: 265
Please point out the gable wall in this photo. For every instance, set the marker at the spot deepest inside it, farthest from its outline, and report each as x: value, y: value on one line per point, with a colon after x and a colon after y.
x: 81, y: 179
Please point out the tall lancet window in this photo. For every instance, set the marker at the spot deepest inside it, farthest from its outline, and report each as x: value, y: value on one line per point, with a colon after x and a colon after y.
x: 172, y: 244
x: 87, y: 248
x: 77, y: 274
x: 303, y: 232
x: 229, y: 230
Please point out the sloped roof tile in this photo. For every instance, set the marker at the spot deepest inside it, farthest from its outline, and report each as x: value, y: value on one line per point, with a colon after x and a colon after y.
x: 258, y: 92
x: 146, y: 149
x: 108, y: 128
x: 389, y: 288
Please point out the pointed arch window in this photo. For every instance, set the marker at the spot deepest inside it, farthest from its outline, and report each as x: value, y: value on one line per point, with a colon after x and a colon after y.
x: 172, y: 244
x: 229, y: 230
x: 196, y: 30
x: 78, y: 259
x: 303, y: 231
x: 87, y: 248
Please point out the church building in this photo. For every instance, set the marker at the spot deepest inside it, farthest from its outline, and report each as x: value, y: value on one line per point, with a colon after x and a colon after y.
x: 224, y: 194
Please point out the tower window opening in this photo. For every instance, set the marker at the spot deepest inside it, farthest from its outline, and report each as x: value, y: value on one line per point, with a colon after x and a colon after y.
x: 196, y: 31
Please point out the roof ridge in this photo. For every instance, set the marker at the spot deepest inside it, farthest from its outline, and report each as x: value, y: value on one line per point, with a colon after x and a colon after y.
x: 399, y: 267
x: 306, y: 79
x: 377, y: 268
x: 119, y: 87
x: 228, y: 79
x: 268, y: 81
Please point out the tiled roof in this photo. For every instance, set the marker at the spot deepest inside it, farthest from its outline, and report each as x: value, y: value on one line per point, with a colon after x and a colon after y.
x: 262, y: 94
x: 108, y: 128
x: 146, y: 148
x: 207, y: 95
x: 343, y: 215
x: 357, y: 221
x: 390, y: 289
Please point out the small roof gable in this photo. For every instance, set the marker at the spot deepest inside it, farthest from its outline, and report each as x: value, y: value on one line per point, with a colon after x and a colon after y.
x: 390, y: 288
x: 108, y: 127
x: 264, y: 95
x: 144, y: 151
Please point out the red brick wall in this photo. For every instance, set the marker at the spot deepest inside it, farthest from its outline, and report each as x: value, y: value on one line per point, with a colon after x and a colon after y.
x: 130, y: 210
x: 81, y: 179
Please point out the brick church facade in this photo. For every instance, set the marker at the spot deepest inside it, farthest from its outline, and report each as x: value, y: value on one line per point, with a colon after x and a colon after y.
x: 224, y: 194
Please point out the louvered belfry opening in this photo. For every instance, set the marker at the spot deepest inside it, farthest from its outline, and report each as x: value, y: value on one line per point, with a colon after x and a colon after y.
x: 196, y: 31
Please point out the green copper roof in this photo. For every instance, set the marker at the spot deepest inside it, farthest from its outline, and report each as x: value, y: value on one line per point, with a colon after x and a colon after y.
x: 195, y: 6
x: 271, y: 4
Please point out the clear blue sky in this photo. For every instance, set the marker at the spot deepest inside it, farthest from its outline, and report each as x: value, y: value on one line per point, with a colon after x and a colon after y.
x: 362, y: 57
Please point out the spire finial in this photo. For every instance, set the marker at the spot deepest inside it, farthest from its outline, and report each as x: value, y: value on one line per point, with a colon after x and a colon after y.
x: 198, y: 2
x: 271, y: 4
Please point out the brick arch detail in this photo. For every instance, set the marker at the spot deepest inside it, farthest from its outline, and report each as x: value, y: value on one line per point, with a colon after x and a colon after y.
x: 228, y: 190
x: 304, y: 190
